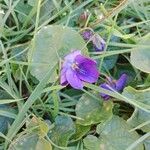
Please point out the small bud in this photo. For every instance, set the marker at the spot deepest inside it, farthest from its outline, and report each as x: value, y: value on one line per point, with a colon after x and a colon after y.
x: 98, y: 43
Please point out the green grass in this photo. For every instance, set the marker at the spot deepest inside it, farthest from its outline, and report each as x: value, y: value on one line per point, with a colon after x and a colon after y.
x: 123, y: 24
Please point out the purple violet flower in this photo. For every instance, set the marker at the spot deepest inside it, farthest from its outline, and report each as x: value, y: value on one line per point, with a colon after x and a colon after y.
x: 77, y: 69
x: 117, y: 85
x: 97, y: 41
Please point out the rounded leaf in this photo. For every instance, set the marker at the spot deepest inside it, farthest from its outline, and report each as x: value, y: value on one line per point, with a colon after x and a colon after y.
x: 91, y: 111
x: 140, y: 56
x: 51, y: 44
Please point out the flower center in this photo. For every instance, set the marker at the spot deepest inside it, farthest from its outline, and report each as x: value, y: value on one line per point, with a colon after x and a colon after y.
x: 74, y: 66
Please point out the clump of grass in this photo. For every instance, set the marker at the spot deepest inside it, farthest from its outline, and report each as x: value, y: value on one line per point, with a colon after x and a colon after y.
x: 66, y: 118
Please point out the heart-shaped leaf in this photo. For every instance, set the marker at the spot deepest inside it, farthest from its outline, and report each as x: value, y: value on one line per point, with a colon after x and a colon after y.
x: 115, y: 135
x: 139, y: 96
x: 30, y: 141
x: 140, y: 55
x: 139, y: 116
x: 63, y: 130
x: 51, y: 44
x: 91, y: 111
x: 38, y: 126
x: 80, y: 131
x: 91, y: 143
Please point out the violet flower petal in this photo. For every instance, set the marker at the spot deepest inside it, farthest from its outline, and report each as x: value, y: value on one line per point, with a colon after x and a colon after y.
x: 88, y: 72
x: 63, y: 79
x: 106, y: 87
x: 117, y: 86
x: 121, y: 82
x: 71, y: 57
x: 82, y: 59
x: 73, y: 80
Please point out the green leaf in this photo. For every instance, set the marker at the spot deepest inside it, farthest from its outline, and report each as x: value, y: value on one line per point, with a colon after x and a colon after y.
x: 139, y: 117
x: 147, y: 144
x: 95, y: 112
x: 47, y: 7
x: 25, y: 142
x: 23, y: 10
x: 109, y: 62
x: 5, y: 111
x: 1, y: 21
x: 115, y: 135
x: 51, y: 44
x: 30, y: 142
x: 123, y: 36
x: 36, y: 93
x: 5, y: 121
x: 142, y: 96
x: 125, y: 68
x: 91, y: 143
x: 80, y: 132
x: 38, y: 126
x: 19, y: 53
x: 4, y: 95
x: 32, y: 2
x: 27, y: 11
x: 43, y: 144
x: 72, y: 148
x: 140, y: 55
x: 63, y: 130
